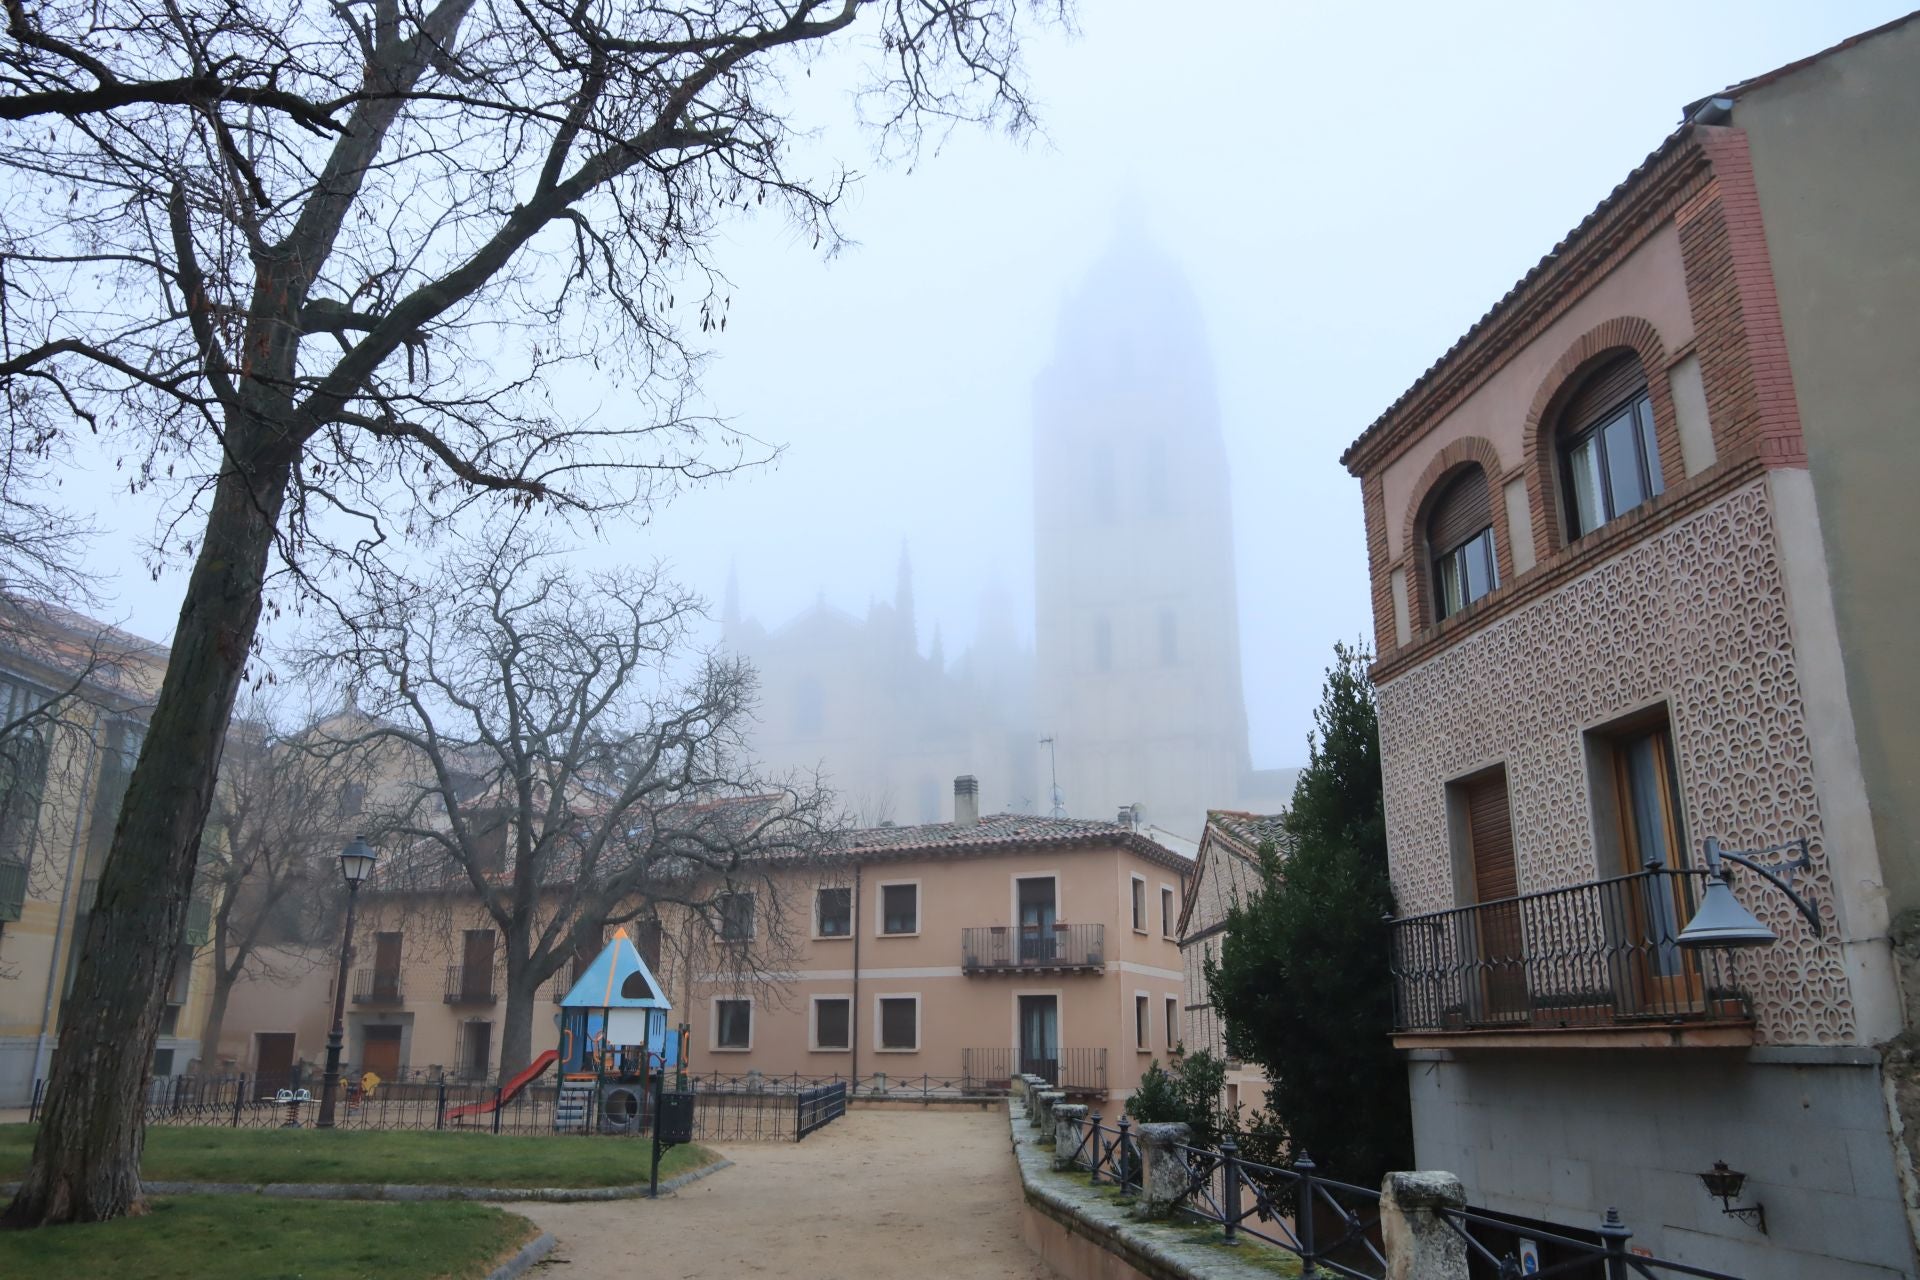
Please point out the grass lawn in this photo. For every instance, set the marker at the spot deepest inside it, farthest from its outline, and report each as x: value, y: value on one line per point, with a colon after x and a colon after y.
x: 189, y: 1154
x: 254, y: 1238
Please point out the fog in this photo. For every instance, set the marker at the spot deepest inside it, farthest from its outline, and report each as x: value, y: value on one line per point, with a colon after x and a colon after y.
x: 1342, y: 189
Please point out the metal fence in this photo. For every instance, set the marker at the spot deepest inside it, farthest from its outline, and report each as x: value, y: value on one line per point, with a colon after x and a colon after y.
x: 1333, y: 1227
x: 1595, y: 954
x: 1014, y: 948
x: 290, y: 1100
x: 965, y: 1085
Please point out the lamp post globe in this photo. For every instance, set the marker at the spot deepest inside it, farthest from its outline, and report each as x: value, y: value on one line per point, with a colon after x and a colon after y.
x: 356, y: 864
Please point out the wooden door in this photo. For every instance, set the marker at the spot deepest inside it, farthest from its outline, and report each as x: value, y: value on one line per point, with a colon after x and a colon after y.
x: 1499, y: 940
x: 1666, y: 978
x: 381, y: 1052
x: 273, y: 1059
x: 476, y: 965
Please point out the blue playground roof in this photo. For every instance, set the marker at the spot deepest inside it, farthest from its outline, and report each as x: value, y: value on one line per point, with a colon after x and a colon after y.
x: 604, y: 984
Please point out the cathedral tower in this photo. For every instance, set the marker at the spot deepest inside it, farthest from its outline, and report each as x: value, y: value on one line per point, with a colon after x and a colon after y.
x: 1137, y: 628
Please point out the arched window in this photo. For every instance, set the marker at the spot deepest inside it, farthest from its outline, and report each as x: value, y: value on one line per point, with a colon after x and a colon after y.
x: 1460, y: 537
x: 1609, y: 460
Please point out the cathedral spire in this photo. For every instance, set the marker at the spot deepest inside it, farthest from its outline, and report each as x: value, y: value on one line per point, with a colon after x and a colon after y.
x: 730, y: 603
x: 903, y: 600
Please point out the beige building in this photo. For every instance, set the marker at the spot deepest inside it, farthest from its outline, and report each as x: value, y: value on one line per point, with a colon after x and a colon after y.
x: 74, y: 697
x: 1226, y: 871
x: 1643, y: 577
x: 977, y: 947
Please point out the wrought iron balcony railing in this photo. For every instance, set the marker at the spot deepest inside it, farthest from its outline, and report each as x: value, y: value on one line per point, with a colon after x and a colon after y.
x: 1594, y: 955
x: 1030, y: 947
x: 469, y: 986
x: 377, y: 986
x: 1074, y: 1070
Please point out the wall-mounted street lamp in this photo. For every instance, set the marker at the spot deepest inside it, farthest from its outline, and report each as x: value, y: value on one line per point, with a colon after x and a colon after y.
x: 1722, y: 922
x: 1724, y: 1185
x: 356, y: 864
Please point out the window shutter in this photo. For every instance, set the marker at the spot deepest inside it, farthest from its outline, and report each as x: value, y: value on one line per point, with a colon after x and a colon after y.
x: 1462, y: 511
x: 1490, y: 829
x: 1604, y: 390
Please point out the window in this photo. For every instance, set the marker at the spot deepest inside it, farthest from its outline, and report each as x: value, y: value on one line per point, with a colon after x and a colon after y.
x: 832, y: 1022
x: 1141, y: 1034
x: 1638, y: 764
x: 899, y: 1024
x: 1460, y: 537
x: 163, y: 1061
x: 1139, y: 905
x: 833, y: 913
x: 1102, y: 645
x: 900, y: 908
x: 1169, y: 639
x: 736, y: 916
x: 1609, y: 458
x: 1173, y: 1022
x: 733, y: 1024
x: 23, y: 776
x: 476, y: 1050
x: 1166, y: 911
x: 353, y: 799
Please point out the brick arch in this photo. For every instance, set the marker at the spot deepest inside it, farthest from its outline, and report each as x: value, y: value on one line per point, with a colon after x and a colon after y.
x: 1622, y: 333
x: 1464, y: 452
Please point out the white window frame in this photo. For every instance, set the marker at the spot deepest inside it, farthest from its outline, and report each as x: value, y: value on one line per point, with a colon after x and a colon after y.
x: 813, y: 1022
x: 853, y: 914
x: 1143, y: 1021
x: 879, y: 1040
x: 1137, y: 892
x: 753, y: 918
x: 1013, y: 895
x: 713, y: 1024
x: 880, y: 908
x: 1169, y: 910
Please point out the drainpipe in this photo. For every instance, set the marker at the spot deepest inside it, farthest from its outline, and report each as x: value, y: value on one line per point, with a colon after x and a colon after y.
x: 55, y: 968
x: 853, y: 1010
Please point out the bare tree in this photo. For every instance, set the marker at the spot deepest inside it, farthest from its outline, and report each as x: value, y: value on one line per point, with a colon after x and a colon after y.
x: 316, y: 266
x: 566, y: 773
x: 284, y: 804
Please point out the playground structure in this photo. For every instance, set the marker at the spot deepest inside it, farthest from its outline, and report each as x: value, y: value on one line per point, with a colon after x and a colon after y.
x: 615, y: 1049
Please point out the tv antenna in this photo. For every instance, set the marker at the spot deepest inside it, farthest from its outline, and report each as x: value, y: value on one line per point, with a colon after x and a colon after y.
x: 1059, y: 809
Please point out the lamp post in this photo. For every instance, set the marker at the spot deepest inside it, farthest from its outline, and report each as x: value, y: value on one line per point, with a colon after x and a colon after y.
x: 356, y: 864
x: 1722, y: 922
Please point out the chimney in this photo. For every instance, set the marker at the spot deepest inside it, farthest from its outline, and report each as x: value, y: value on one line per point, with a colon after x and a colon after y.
x: 966, y: 801
x: 1126, y: 815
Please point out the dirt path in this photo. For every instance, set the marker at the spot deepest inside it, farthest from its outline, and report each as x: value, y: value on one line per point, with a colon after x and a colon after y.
x: 876, y: 1194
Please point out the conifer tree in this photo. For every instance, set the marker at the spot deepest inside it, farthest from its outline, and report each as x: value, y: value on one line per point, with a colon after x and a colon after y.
x: 1303, y: 979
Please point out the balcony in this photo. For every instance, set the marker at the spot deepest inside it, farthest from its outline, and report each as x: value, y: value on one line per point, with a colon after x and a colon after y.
x: 1056, y: 948
x: 377, y: 986
x: 1592, y: 965
x: 199, y: 927
x: 469, y: 986
x: 1070, y: 1070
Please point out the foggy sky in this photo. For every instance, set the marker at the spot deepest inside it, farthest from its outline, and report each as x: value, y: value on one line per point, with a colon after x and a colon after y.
x: 1348, y: 189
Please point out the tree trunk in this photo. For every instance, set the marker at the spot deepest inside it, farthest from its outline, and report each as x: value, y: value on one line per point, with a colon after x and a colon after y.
x: 516, y: 1024
x: 86, y: 1159
x: 223, y: 980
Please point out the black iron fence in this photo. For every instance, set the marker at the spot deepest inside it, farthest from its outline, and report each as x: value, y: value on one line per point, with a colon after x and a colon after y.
x: 961, y: 1086
x: 469, y: 985
x: 1013, y: 948
x: 1073, y: 1070
x: 1333, y: 1227
x: 1599, y: 954
x: 292, y: 1100
x: 377, y: 986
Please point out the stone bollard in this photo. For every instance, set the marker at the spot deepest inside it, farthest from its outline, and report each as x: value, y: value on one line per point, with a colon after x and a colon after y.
x: 1163, y: 1173
x: 1068, y: 1117
x: 1042, y: 1114
x: 1420, y: 1245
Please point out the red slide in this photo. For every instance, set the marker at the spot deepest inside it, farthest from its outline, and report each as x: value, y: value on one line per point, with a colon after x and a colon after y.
x: 508, y: 1090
